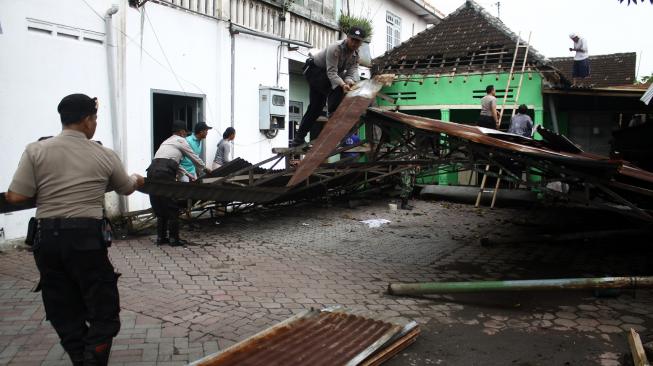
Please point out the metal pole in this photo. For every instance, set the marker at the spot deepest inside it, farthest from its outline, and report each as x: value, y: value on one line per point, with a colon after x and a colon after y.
x: 427, y: 288
x: 512, y: 68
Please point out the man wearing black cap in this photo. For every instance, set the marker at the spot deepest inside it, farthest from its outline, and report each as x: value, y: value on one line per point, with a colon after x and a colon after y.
x: 330, y: 74
x: 195, y: 142
x: 68, y: 176
x: 165, y: 166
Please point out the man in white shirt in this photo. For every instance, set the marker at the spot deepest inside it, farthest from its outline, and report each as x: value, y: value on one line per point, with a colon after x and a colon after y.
x: 581, y: 69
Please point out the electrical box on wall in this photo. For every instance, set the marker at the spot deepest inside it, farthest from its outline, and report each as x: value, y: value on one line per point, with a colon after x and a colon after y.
x: 273, y: 107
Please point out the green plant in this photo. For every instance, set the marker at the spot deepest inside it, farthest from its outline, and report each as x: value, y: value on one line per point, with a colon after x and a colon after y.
x: 345, y: 22
x: 646, y: 79
x: 287, y: 4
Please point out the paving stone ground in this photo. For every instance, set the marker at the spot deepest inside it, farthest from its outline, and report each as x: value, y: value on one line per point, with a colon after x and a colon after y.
x: 247, y: 272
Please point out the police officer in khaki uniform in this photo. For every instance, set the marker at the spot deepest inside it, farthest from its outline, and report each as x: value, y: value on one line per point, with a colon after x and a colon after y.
x: 165, y: 167
x: 330, y: 74
x: 68, y: 176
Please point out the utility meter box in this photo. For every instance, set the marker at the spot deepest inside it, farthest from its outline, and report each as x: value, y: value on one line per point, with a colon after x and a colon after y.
x: 273, y: 106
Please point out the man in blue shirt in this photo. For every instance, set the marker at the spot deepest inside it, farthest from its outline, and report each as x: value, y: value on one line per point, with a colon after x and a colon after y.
x: 521, y: 123
x: 195, y: 142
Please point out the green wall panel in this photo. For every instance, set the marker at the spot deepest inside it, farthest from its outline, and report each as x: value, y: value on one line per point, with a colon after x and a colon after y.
x: 421, y: 90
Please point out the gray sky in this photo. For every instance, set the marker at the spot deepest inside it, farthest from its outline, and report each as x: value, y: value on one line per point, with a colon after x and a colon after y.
x: 608, y: 26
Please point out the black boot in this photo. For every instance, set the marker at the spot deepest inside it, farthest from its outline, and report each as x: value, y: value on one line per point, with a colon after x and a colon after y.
x: 173, y: 227
x: 405, y: 205
x: 162, y: 231
x: 97, y: 355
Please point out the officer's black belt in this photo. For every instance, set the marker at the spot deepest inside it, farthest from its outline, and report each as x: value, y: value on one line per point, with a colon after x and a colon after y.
x: 71, y: 223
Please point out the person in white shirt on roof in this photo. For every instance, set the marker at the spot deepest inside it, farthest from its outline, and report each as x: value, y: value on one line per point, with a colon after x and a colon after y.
x: 581, y: 69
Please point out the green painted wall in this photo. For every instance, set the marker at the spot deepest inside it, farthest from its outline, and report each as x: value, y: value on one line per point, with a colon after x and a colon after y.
x: 457, y: 99
x: 464, y: 90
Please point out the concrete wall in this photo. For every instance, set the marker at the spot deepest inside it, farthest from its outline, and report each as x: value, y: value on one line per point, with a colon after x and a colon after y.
x: 162, y: 48
x: 36, y: 70
x: 375, y: 10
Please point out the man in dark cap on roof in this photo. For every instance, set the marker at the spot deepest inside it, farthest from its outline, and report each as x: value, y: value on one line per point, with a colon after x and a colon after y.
x: 165, y: 167
x: 330, y: 74
x: 68, y: 176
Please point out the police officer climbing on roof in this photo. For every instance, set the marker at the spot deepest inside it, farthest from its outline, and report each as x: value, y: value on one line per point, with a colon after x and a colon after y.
x: 68, y: 176
x: 165, y: 166
x: 330, y: 74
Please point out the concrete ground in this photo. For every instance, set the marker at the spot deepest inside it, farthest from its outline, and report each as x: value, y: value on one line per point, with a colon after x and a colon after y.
x: 248, y: 272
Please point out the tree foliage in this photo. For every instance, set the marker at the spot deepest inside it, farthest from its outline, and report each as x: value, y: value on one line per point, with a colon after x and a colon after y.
x: 635, y: 1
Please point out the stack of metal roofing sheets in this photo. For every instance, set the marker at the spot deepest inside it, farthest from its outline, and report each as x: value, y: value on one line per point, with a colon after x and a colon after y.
x: 329, y: 337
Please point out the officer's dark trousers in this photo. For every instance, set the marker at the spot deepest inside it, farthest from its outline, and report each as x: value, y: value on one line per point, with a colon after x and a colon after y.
x: 80, y: 292
x: 320, y: 93
x: 166, y: 209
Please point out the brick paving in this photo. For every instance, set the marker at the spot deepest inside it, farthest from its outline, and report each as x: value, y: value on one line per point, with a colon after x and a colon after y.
x: 246, y: 273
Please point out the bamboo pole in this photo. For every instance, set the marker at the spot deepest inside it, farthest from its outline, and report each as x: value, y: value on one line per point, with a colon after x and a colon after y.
x: 427, y: 288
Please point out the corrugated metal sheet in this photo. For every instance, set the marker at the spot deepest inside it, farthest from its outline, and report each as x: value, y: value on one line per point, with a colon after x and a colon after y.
x: 236, y: 165
x: 340, y: 123
x: 329, y: 338
x: 211, y: 192
x: 598, y: 165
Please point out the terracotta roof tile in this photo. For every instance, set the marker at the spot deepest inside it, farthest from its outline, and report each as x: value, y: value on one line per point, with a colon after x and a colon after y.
x: 468, y: 40
x: 606, y: 70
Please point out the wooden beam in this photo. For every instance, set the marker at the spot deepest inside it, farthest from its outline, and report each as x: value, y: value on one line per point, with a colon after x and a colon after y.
x: 636, y: 348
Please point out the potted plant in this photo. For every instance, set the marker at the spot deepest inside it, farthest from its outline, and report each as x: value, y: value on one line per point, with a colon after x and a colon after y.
x: 345, y: 22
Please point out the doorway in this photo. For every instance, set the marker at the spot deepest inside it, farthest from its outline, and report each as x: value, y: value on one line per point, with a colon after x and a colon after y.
x: 168, y: 106
x: 295, y: 113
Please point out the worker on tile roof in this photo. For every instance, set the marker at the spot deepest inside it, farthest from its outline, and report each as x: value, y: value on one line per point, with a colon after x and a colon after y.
x: 68, y: 176
x: 581, y: 69
x: 330, y: 74
x: 489, y: 117
x: 165, y: 167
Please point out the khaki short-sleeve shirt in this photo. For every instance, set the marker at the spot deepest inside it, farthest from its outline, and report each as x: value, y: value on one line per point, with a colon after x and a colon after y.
x: 69, y: 174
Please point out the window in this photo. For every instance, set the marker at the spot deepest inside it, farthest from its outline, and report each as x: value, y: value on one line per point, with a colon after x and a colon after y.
x: 393, y: 25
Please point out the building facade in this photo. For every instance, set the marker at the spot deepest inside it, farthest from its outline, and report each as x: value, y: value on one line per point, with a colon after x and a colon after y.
x: 150, y: 62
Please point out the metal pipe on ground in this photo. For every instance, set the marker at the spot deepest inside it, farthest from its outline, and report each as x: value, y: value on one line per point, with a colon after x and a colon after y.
x: 433, y: 288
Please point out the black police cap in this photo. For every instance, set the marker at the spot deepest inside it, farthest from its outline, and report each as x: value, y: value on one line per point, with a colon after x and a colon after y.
x: 357, y: 33
x: 75, y: 107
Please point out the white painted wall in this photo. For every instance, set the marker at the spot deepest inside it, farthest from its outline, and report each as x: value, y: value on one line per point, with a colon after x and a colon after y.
x: 181, y: 53
x: 256, y: 65
x: 376, y: 10
x: 36, y: 71
x: 192, y: 54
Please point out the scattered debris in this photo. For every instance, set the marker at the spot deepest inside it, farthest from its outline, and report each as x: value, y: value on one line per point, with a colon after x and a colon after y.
x: 636, y: 348
x: 372, y: 223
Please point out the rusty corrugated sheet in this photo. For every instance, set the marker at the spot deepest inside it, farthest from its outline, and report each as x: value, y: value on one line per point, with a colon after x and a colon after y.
x: 211, y: 192
x: 328, y: 338
x: 597, y: 165
x: 340, y: 123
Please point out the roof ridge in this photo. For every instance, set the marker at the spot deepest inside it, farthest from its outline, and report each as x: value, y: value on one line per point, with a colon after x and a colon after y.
x: 605, y: 55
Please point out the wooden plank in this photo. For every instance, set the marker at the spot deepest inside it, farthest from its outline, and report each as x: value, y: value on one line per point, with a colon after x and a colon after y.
x: 343, y: 120
x: 636, y: 348
x: 390, y: 351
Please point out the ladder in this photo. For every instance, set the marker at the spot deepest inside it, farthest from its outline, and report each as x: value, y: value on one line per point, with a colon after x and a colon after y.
x: 503, y: 104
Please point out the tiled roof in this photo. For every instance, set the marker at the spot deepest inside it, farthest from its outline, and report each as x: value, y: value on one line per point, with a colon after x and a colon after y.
x: 616, y: 69
x: 468, y: 40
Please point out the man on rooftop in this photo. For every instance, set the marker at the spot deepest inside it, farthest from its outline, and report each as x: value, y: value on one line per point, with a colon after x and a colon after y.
x: 581, y: 69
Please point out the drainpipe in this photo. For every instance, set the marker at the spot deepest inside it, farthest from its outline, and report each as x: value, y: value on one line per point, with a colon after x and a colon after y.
x: 233, y: 73
x: 114, y: 118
